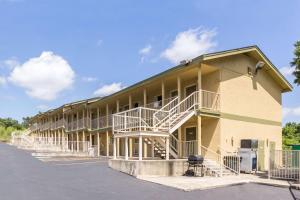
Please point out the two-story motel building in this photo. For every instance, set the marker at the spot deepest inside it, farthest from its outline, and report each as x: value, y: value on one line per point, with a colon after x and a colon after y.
x: 207, y: 104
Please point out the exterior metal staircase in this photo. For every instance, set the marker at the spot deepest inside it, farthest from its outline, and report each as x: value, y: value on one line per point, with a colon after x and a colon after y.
x: 171, y: 116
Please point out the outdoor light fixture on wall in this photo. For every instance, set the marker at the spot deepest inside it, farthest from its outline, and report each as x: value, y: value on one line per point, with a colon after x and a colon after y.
x: 259, y: 65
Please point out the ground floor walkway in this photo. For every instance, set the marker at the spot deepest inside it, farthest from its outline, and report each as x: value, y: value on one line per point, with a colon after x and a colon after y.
x: 25, y: 177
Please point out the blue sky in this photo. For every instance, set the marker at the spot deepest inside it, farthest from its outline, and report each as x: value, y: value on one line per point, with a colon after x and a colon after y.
x: 100, y: 46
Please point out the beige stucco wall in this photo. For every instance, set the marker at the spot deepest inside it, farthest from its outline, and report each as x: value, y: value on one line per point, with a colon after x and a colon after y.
x: 210, y: 133
x: 252, y: 102
x: 234, y: 131
x: 253, y: 96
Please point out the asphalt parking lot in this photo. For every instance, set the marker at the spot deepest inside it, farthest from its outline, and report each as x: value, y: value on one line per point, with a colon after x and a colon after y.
x: 25, y: 177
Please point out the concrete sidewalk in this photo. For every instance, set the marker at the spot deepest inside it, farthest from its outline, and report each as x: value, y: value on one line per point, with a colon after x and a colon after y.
x: 203, y: 183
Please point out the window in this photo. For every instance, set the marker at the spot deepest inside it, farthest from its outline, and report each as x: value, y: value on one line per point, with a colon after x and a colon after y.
x: 190, y: 133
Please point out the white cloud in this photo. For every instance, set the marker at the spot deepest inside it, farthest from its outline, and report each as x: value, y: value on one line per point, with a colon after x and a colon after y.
x: 2, y: 80
x: 190, y: 44
x: 43, y: 77
x: 89, y: 79
x: 106, y: 90
x: 11, y: 63
x: 145, y: 51
x: 287, y: 71
x: 42, y: 107
x: 290, y: 111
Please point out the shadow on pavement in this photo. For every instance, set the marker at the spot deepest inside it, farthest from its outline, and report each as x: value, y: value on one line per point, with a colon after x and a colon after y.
x: 292, y: 190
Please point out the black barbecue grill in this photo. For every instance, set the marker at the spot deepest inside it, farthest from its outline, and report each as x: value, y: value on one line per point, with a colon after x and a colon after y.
x: 195, y: 162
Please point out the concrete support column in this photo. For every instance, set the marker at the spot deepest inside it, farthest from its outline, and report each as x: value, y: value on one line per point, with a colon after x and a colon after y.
x: 179, y: 130
x: 118, y: 147
x: 118, y: 106
x: 145, y: 149
x: 67, y: 141
x: 130, y: 147
x: 83, y: 141
x: 126, y: 148
x: 107, y: 143
x: 55, y: 137
x: 77, y: 120
x: 89, y: 120
x: 167, y: 148
x: 107, y: 113
x: 72, y: 143
x: 145, y: 97
x: 140, y: 147
x: 162, y: 93
x: 98, y: 116
x: 179, y: 88
x: 115, y: 148
x: 199, y: 135
x: 98, y: 143
x: 199, y: 132
x: 72, y: 121
x: 199, y: 86
x: 58, y: 137
x: 152, y: 147
x: 77, y: 143
x: 91, y: 141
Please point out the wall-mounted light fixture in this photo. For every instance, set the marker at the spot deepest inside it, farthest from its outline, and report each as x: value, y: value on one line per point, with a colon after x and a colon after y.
x: 259, y: 65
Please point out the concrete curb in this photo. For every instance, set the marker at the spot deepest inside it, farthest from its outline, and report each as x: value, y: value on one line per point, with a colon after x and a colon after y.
x: 241, y: 182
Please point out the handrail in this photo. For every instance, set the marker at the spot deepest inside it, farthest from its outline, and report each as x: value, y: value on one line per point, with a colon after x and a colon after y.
x: 133, y: 109
x: 229, y: 166
x: 162, y: 110
x: 183, y: 101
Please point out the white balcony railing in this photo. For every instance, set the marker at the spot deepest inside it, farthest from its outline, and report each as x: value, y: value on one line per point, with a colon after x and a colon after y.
x: 101, y: 122
x: 57, y: 124
x: 137, y: 119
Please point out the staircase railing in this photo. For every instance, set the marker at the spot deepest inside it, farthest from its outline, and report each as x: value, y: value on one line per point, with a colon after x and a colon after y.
x: 164, y: 117
x: 231, y: 160
x: 162, y: 114
x: 175, y: 109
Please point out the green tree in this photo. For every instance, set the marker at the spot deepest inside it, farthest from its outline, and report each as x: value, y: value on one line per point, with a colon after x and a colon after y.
x: 290, y: 134
x: 296, y: 63
x: 26, y: 121
x: 9, y: 122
